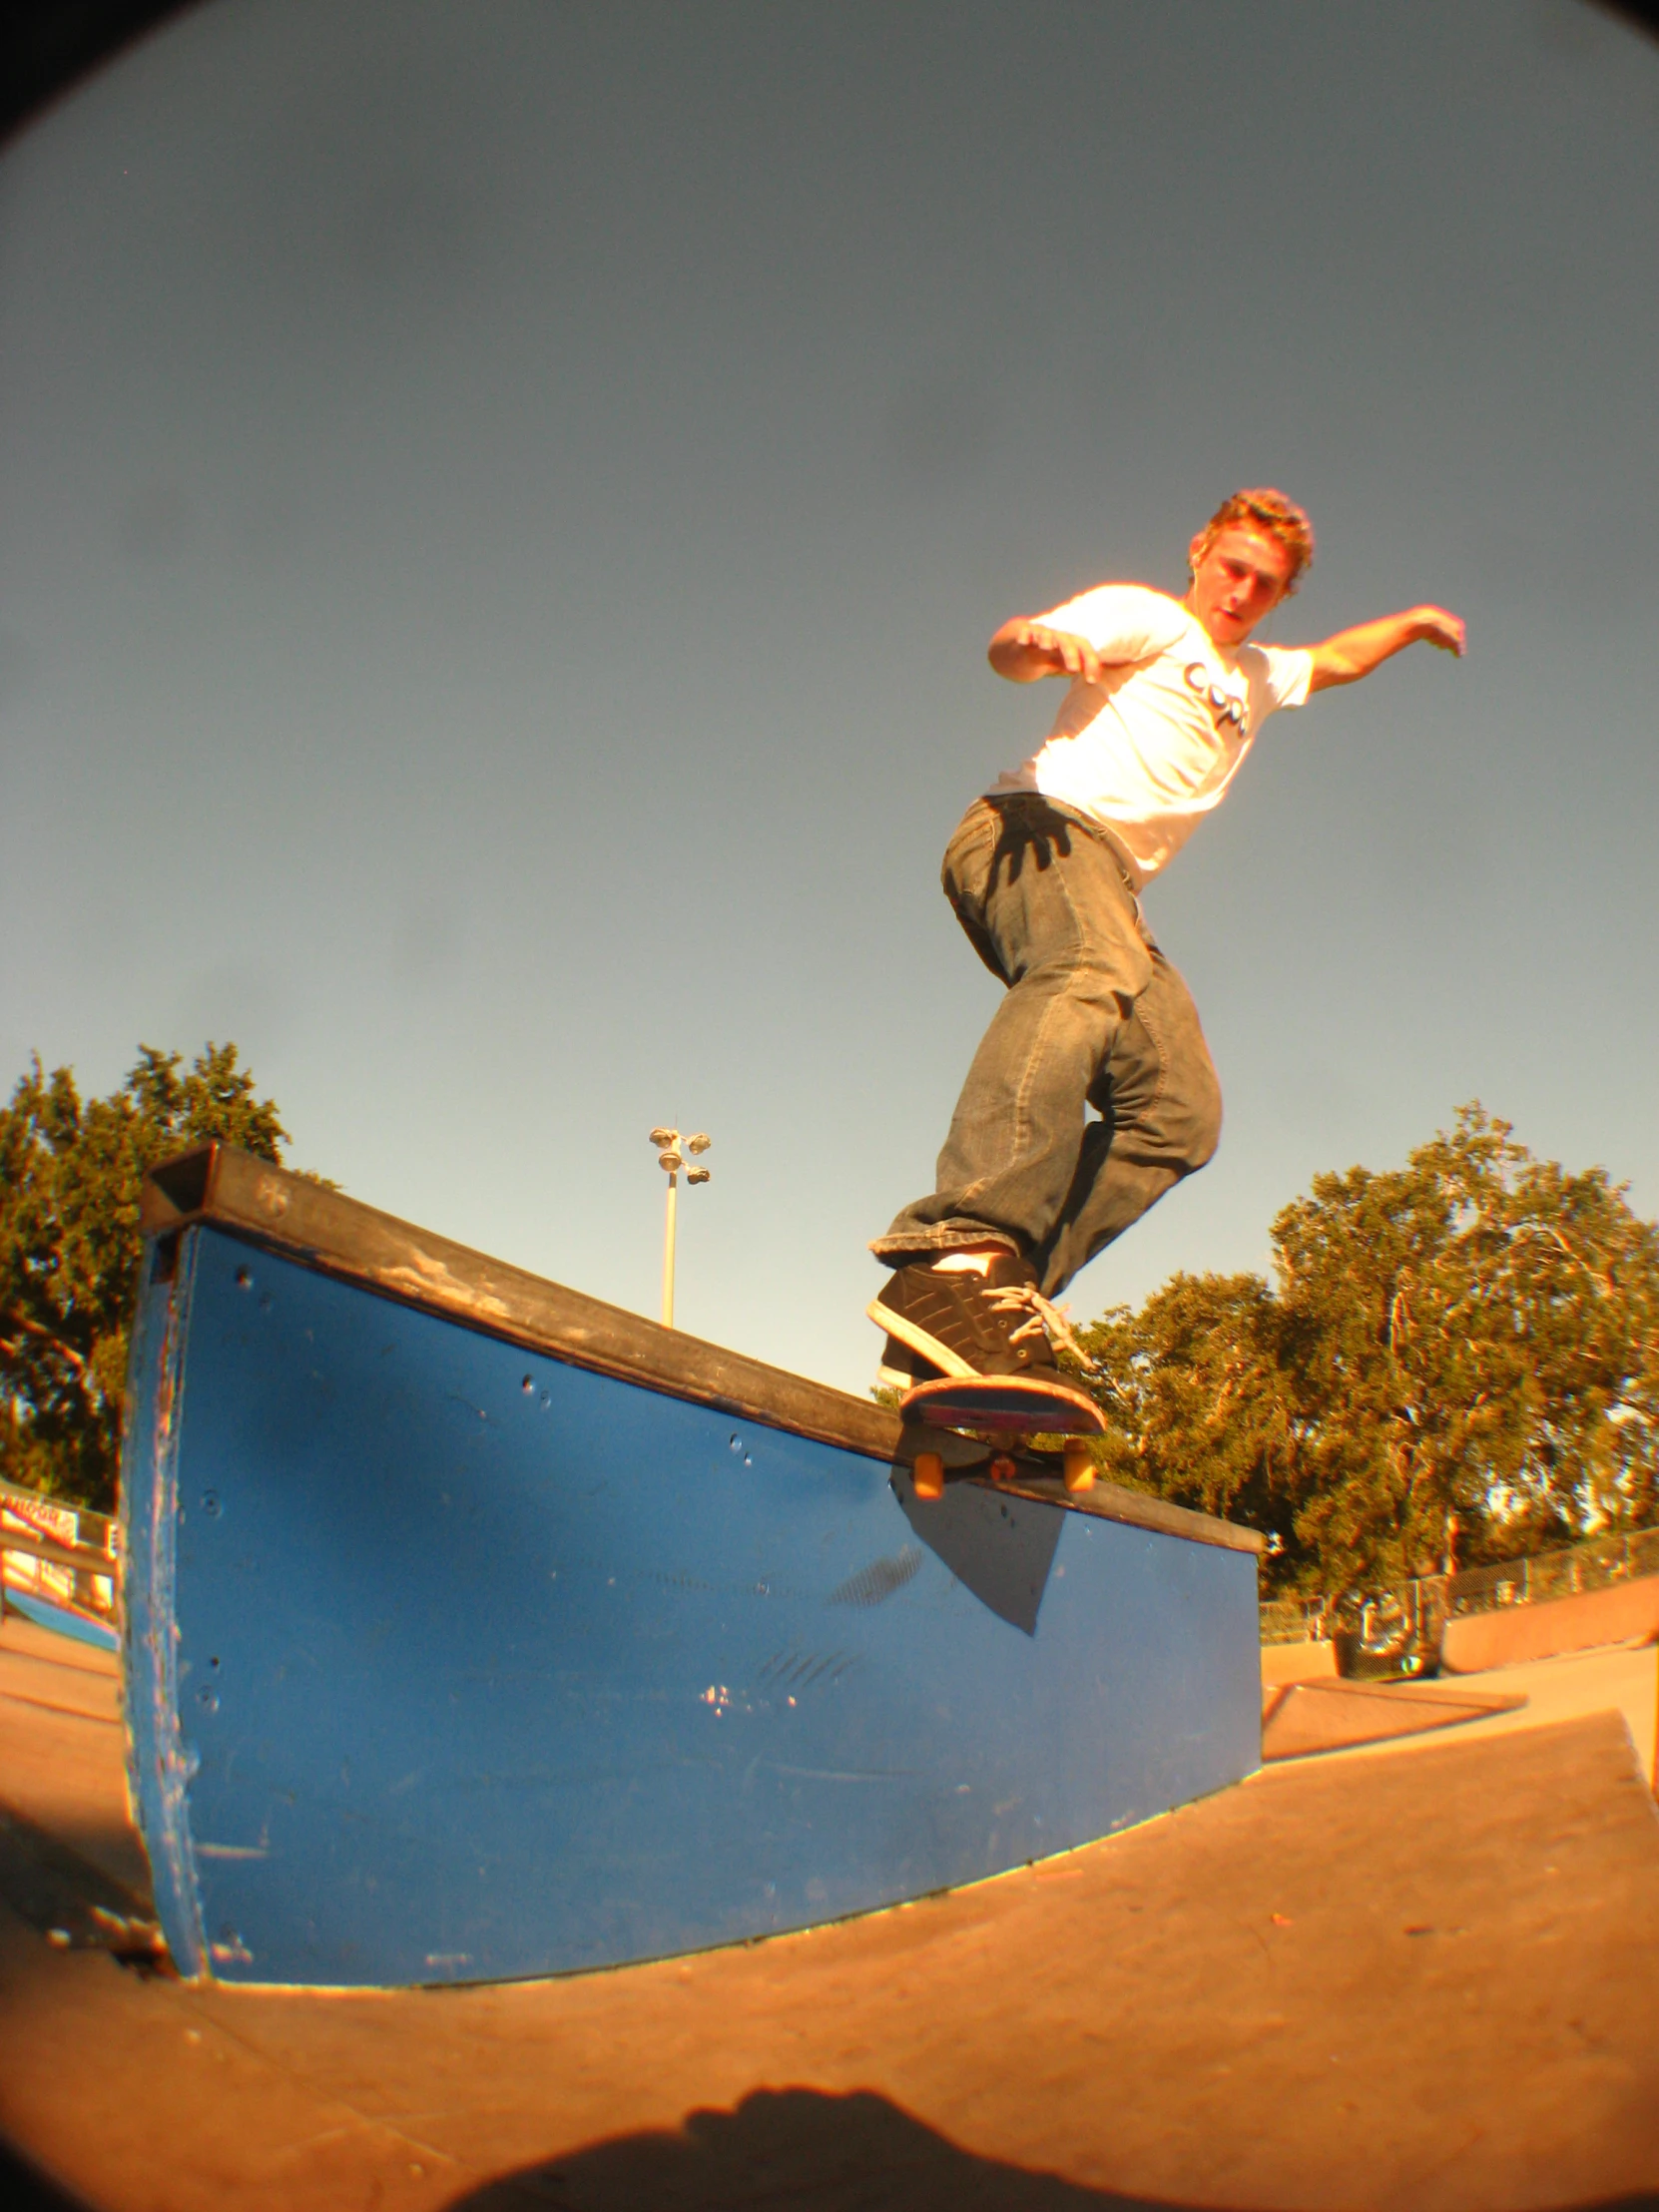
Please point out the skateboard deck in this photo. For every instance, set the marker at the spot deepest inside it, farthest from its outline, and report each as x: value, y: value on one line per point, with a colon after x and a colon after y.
x: 1010, y: 1409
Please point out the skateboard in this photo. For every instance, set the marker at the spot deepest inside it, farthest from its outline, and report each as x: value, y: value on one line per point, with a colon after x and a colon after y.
x: 1008, y: 1410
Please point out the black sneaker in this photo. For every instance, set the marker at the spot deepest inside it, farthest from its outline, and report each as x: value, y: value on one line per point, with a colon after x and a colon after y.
x: 961, y: 1323
x: 901, y: 1367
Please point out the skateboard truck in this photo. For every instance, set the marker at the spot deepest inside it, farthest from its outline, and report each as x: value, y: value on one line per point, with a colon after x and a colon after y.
x: 1078, y: 1464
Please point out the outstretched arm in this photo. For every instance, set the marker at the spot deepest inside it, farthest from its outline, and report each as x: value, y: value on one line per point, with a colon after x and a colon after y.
x: 1023, y: 650
x: 1354, y: 653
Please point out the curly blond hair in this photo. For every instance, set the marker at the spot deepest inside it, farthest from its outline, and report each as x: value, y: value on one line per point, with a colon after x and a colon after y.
x: 1276, y: 517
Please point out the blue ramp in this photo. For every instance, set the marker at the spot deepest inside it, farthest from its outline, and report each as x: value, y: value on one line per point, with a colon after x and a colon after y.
x: 475, y: 1629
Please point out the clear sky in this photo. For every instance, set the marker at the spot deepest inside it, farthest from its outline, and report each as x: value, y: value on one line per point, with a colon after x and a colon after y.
x: 502, y: 504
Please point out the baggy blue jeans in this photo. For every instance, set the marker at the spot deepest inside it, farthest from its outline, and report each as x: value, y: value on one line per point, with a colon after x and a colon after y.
x: 1094, y: 1015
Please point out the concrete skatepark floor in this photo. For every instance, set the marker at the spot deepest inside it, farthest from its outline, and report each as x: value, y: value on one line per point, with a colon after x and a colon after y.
x: 1417, y: 1975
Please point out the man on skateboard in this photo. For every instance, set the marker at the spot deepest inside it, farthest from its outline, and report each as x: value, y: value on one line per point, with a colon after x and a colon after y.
x: 1164, y: 699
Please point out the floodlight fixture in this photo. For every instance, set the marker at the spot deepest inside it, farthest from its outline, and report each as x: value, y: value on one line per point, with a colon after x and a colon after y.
x: 671, y: 1159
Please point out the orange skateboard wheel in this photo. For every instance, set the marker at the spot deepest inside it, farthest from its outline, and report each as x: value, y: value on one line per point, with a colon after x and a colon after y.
x: 1079, y: 1465
x: 928, y: 1474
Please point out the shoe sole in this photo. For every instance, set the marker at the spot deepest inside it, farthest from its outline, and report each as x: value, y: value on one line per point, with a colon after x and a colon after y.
x: 951, y: 1363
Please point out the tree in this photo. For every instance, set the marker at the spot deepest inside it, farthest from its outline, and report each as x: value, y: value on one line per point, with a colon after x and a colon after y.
x: 1460, y: 1360
x: 70, y: 1175
x: 1199, y: 1412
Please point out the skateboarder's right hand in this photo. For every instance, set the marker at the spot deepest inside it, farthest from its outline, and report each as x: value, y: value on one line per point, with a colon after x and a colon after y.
x: 1023, y: 650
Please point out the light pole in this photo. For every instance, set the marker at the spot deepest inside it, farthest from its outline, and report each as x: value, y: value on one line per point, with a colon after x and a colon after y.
x: 670, y: 1156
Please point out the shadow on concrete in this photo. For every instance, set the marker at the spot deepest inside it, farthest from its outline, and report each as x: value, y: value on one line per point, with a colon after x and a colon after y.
x: 813, y: 2152
x: 76, y: 1906
x: 24, y: 2189
x: 788, y: 2147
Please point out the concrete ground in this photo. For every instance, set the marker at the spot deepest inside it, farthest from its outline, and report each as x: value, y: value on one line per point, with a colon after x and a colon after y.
x: 1626, y: 1682
x: 1623, y: 1681
x: 1417, y: 1975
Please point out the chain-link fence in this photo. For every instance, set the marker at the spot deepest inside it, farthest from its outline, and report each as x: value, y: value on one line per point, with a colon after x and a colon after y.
x: 1587, y: 1566
x: 1401, y: 1627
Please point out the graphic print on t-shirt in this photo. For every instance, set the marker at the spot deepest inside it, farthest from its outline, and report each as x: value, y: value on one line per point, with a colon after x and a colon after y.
x: 1225, y: 704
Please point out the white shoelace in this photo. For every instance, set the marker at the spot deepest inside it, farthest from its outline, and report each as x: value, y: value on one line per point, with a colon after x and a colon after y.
x: 1047, y: 1320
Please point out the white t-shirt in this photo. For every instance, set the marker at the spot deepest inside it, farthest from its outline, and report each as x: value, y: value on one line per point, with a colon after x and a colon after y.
x: 1157, y: 740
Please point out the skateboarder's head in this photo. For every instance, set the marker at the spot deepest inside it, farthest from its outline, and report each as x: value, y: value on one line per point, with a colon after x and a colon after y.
x: 1251, y: 554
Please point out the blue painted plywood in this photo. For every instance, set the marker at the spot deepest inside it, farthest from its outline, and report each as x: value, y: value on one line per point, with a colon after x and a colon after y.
x: 489, y: 1666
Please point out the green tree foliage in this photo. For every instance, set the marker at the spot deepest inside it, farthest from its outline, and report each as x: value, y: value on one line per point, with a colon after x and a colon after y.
x: 1460, y: 1357
x: 70, y: 1173
x: 1193, y: 1391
